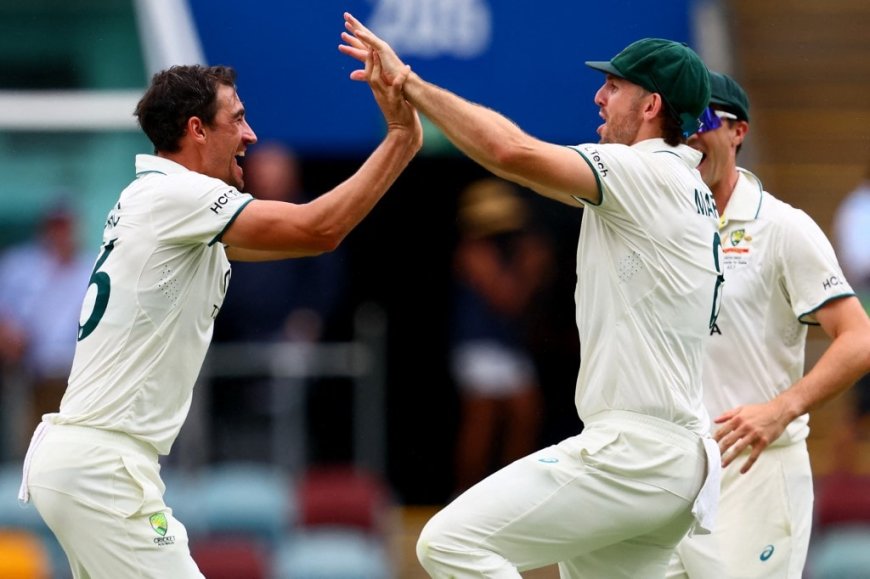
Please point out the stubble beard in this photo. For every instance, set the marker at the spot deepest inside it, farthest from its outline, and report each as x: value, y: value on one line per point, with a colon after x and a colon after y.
x: 622, y: 129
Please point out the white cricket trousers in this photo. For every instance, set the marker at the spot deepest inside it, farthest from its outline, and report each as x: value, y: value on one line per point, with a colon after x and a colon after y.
x: 610, y: 503
x: 764, y: 522
x: 101, y: 495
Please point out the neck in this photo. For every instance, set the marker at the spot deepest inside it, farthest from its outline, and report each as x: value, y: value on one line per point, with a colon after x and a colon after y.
x: 725, y: 188
x: 184, y: 157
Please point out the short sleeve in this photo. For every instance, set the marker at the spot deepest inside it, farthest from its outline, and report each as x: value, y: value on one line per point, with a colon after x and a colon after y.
x: 811, y: 274
x: 625, y: 176
x: 193, y: 208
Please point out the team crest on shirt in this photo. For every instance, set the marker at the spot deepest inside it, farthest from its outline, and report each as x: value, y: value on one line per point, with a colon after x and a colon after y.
x: 159, y: 523
x: 739, y: 242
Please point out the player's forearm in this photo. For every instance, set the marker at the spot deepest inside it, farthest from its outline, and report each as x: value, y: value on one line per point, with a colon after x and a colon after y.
x: 337, y: 212
x: 843, y: 363
x: 486, y: 136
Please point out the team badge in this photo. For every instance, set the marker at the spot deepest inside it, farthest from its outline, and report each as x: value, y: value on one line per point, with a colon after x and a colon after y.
x: 737, y: 236
x: 159, y: 523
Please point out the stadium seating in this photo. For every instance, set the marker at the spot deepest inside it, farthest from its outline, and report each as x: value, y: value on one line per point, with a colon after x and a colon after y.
x: 332, y: 554
x: 24, y: 518
x: 231, y: 558
x: 248, y: 499
x: 840, y: 546
x: 23, y: 556
x: 343, y: 496
x: 841, y: 552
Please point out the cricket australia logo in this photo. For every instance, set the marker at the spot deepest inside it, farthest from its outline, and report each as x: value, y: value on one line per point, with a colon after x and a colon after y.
x: 161, y: 526
x: 159, y: 523
x: 737, y: 236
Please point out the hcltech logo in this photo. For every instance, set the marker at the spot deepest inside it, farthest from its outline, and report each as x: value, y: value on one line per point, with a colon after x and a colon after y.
x: 548, y: 460
x: 767, y: 553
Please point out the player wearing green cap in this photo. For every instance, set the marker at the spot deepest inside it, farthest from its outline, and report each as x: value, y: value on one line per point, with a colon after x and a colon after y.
x: 782, y: 276
x: 615, y: 500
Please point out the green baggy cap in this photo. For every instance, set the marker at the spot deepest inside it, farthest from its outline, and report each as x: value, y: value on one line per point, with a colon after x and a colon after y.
x: 729, y: 95
x: 669, y: 68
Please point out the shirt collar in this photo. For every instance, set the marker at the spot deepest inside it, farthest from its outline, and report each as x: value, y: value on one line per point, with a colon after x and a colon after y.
x: 155, y: 164
x: 745, y: 201
x: 689, y: 155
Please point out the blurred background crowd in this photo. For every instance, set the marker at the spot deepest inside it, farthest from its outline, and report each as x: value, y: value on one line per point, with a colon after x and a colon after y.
x: 348, y: 393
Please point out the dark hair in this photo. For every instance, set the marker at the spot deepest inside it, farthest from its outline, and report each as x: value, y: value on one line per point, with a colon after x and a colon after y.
x: 672, y: 128
x: 672, y: 125
x: 177, y: 94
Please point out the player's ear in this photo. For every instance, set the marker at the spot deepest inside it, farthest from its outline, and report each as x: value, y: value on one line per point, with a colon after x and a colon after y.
x: 196, y: 129
x: 741, y: 128
x: 653, y: 105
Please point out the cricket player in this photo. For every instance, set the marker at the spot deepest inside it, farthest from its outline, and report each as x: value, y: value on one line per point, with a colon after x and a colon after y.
x: 146, y: 322
x: 782, y: 276
x: 615, y: 500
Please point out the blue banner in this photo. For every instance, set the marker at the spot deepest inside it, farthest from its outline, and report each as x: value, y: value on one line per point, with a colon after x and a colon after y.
x: 521, y: 58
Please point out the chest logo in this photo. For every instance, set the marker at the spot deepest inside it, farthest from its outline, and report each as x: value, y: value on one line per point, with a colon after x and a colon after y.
x: 737, y: 236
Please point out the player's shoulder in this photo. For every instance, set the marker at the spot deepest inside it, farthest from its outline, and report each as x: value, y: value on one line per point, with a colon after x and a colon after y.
x: 165, y: 175
x: 782, y: 214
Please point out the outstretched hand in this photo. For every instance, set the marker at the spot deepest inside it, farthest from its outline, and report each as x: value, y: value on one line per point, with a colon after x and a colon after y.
x: 398, y: 113
x: 360, y: 41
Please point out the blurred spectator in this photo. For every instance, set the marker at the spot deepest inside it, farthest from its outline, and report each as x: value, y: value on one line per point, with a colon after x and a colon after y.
x: 280, y: 300
x: 852, y: 237
x: 852, y: 240
x: 501, y: 264
x: 290, y: 300
x: 42, y: 282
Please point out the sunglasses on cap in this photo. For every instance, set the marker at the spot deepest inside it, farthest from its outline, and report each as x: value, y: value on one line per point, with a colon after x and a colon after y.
x: 711, y: 119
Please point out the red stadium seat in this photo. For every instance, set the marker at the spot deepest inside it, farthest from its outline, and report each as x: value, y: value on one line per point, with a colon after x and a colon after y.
x: 343, y: 496
x: 231, y: 558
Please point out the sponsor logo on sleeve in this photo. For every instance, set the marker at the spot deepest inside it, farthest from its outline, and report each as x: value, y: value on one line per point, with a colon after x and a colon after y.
x: 831, y: 282
x: 593, y: 155
x: 224, y: 198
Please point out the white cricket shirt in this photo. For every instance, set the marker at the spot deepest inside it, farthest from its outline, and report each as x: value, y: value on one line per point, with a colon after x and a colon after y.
x: 646, y: 280
x: 147, y: 317
x: 779, y: 269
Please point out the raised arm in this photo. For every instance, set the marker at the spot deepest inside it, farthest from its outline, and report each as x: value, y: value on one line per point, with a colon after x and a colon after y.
x: 486, y: 136
x: 274, y: 230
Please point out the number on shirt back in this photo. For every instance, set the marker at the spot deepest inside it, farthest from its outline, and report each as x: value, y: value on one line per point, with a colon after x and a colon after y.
x: 720, y: 279
x: 103, y: 284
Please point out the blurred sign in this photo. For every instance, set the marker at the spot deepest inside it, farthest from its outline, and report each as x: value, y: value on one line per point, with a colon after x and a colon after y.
x: 522, y: 58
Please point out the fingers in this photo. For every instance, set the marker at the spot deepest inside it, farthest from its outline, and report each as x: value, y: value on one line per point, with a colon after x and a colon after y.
x: 733, y: 445
x: 370, y: 65
x: 353, y: 41
x: 356, y: 28
x: 355, y: 47
x: 756, y: 452
x: 375, y: 72
x: 725, y: 416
